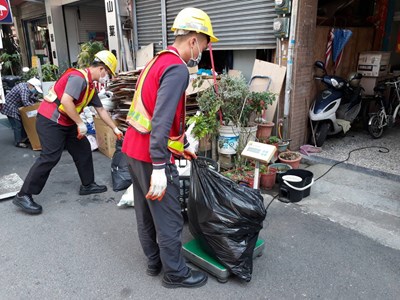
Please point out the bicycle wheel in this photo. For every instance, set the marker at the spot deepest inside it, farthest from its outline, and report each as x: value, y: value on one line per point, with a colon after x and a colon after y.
x: 374, y: 126
x: 369, y: 106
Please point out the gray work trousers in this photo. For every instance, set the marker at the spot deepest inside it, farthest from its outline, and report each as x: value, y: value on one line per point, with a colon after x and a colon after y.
x: 159, y: 223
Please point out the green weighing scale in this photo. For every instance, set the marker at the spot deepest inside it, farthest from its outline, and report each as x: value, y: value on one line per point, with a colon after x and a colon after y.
x: 193, y: 251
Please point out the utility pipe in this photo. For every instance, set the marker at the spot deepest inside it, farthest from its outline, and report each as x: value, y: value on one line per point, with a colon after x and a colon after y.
x: 289, y: 69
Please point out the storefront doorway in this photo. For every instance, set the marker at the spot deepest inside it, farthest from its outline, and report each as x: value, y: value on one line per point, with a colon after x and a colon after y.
x: 37, y: 39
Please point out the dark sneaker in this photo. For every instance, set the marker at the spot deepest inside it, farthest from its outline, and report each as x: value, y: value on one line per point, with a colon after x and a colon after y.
x: 27, y: 204
x: 154, y: 270
x: 193, y: 280
x: 92, y: 188
x: 21, y: 145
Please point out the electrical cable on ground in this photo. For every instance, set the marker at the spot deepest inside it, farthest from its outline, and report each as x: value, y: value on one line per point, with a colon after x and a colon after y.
x: 381, y: 150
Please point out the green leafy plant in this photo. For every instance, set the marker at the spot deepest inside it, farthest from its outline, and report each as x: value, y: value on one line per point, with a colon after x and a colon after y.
x: 232, y: 92
x: 10, y: 63
x: 33, y: 72
x: 50, y: 72
x: 88, y: 50
x: 273, y: 140
x: 258, y: 102
x: 206, y: 123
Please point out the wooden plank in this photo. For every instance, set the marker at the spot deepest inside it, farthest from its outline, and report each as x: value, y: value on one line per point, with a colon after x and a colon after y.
x: 277, y: 75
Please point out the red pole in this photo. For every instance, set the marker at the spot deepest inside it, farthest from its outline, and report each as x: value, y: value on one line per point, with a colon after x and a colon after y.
x: 215, y: 78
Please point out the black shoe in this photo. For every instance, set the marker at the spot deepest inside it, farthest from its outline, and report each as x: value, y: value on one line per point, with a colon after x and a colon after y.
x: 154, y: 270
x: 92, y: 188
x: 194, y: 279
x: 21, y: 145
x: 27, y: 204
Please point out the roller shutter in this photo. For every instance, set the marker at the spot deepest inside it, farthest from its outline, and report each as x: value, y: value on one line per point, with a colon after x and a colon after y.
x: 92, y: 19
x: 149, y: 23
x: 238, y: 24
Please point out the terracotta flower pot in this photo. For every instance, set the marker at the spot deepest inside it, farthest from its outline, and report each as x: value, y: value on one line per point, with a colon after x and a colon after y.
x: 264, y: 130
x: 267, y: 180
x: 291, y: 158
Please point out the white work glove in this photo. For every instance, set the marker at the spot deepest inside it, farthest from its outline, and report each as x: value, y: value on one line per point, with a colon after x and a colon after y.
x: 158, y: 185
x: 105, y: 94
x: 189, y: 153
x: 118, y: 133
x: 82, y: 130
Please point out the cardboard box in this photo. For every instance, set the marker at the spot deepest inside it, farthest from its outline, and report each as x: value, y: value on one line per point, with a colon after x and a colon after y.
x: 105, y: 137
x: 207, y: 83
x: 373, y: 63
x: 28, y: 117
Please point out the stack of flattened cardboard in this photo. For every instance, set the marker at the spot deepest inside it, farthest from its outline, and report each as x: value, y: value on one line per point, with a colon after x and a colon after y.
x: 123, y: 89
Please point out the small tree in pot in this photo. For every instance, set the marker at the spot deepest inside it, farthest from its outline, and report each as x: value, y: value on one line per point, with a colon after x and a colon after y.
x: 259, y: 102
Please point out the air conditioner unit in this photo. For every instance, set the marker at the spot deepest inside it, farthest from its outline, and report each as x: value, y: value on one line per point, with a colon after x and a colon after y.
x: 281, y: 27
x: 282, y: 7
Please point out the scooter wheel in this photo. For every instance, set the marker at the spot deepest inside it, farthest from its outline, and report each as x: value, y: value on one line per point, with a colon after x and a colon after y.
x: 321, y: 133
x: 374, y: 126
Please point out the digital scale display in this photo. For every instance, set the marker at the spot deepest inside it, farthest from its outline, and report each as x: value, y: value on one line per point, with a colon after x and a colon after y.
x: 259, y: 151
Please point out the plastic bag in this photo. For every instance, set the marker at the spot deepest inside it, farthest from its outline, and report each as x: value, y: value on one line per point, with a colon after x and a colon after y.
x: 193, y: 141
x: 225, y: 217
x: 120, y: 175
x: 128, y: 198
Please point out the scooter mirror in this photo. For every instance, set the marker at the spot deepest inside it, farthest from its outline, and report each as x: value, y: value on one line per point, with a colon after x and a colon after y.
x: 320, y: 65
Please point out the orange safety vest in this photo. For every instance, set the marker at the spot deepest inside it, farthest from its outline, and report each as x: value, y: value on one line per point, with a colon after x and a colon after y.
x: 87, y: 97
x: 139, y: 118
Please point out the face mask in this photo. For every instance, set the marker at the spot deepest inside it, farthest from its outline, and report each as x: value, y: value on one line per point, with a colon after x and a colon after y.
x: 104, y: 79
x: 33, y: 90
x: 194, y: 62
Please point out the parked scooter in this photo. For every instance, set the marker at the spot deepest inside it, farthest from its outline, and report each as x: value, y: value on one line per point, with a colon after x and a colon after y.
x: 336, y: 107
x: 9, y: 81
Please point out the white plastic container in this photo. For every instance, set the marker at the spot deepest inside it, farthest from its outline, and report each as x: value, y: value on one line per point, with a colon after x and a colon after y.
x: 228, y: 139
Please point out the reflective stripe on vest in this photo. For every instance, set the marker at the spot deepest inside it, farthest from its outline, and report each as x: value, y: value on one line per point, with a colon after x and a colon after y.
x: 86, y: 97
x: 140, y: 119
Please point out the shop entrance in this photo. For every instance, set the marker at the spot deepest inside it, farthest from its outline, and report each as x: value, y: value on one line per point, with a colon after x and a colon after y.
x: 37, y: 39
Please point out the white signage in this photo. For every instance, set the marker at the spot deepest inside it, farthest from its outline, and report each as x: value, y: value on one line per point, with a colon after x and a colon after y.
x: 112, y: 29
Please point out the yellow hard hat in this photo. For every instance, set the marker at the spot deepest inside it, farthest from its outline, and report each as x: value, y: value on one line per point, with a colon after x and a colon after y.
x: 108, y: 59
x: 194, y: 19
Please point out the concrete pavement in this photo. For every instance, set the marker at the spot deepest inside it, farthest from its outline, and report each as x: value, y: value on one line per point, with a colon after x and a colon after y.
x: 339, y: 243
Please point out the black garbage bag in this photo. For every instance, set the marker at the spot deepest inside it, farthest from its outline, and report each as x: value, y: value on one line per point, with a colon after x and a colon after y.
x: 121, y: 178
x: 225, y: 218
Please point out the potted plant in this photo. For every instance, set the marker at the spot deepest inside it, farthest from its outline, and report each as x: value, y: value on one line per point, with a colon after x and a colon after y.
x: 283, y: 145
x: 49, y: 76
x: 273, y: 140
x: 226, y: 104
x: 87, y: 52
x: 259, y: 102
x: 206, y: 123
x: 267, y: 177
x: 291, y: 158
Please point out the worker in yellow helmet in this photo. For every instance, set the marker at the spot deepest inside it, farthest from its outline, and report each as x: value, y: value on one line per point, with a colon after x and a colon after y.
x: 60, y: 126
x: 156, y: 134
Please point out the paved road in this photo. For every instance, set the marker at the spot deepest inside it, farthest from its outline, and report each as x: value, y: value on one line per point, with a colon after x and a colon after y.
x: 85, y: 247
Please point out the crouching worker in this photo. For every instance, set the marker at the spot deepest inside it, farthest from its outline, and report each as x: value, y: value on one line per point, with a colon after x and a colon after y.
x: 59, y: 126
x: 23, y: 94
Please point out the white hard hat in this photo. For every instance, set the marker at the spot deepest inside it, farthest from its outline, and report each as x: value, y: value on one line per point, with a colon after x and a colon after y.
x: 36, y: 83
